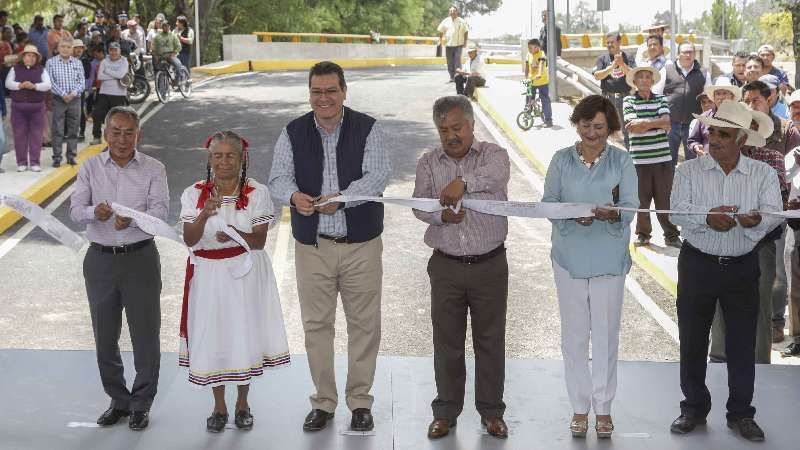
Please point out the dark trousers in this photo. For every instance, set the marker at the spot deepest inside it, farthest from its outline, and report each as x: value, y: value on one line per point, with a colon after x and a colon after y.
x: 544, y: 96
x: 131, y: 282
x: 465, y: 85
x: 453, y: 56
x: 617, y: 100
x: 82, y: 128
x: 679, y: 134
x: 66, y: 120
x: 655, y: 184
x: 701, y: 283
x: 102, y: 105
x: 482, y: 291
x: 186, y: 59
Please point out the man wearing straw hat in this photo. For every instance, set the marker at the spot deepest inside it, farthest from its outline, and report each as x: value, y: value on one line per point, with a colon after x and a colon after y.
x: 643, y: 51
x: 719, y: 262
x: 721, y: 90
x: 647, y: 120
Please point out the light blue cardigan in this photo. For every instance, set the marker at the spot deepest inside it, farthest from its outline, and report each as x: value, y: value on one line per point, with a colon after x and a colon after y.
x: 602, y: 247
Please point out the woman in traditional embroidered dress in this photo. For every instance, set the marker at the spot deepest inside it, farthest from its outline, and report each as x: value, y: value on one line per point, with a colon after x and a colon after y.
x: 231, y: 323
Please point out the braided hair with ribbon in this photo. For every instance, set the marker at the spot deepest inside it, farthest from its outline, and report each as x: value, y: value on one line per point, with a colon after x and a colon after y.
x: 242, y: 145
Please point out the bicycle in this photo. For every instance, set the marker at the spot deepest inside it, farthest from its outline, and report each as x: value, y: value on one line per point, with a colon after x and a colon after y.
x: 138, y: 88
x: 532, y: 109
x: 167, y: 81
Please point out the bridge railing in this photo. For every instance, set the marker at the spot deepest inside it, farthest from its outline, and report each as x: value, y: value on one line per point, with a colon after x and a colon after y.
x: 589, y: 40
x: 324, y: 38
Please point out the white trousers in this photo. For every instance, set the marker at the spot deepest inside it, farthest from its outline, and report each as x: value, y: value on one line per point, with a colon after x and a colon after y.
x: 590, y: 306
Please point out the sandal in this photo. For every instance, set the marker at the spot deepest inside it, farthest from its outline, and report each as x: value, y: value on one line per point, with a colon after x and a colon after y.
x: 579, y: 426
x: 604, y: 428
x: 243, y: 419
x: 216, y: 422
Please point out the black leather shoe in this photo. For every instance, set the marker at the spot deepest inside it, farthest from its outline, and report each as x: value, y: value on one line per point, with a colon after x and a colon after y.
x: 216, y: 422
x: 362, y: 420
x: 683, y: 424
x: 748, y: 428
x: 112, y: 416
x: 792, y: 349
x: 139, y: 420
x: 317, y: 420
x: 56, y: 164
x: 244, y: 420
x: 71, y: 161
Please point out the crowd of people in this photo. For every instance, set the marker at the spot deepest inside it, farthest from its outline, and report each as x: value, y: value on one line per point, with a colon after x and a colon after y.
x: 58, y: 79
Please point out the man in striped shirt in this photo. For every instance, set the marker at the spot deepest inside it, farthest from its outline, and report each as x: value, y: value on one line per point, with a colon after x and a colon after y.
x: 468, y: 268
x: 647, y: 120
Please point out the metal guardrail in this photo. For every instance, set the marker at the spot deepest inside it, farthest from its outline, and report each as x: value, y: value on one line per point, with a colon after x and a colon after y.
x: 577, y: 77
x: 279, y: 36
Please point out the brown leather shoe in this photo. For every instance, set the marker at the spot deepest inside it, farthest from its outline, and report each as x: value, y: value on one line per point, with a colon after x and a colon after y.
x: 495, y: 426
x: 777, y: 335
x: 440, y: 428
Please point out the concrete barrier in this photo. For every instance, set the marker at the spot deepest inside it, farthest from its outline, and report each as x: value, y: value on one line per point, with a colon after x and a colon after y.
x: 305, y: 64
x: 242, y: 47
x: 224, y: 67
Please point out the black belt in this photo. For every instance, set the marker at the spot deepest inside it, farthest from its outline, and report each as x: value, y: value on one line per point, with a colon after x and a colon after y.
x: 721, y: 260
x: 472, y: 259
x: 121, y: 249
x: 336, y: 240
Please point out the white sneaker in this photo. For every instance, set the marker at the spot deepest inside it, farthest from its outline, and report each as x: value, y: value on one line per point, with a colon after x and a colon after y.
x: 36, y: 169
x: 22, y: 168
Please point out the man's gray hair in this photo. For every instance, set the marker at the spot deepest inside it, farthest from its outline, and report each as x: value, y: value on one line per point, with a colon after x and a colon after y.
x: 444, y: 105
x: 126, y: 110
x: 66, y: 40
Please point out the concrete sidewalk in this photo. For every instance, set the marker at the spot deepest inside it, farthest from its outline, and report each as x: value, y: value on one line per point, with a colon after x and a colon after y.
x: 504, y: 99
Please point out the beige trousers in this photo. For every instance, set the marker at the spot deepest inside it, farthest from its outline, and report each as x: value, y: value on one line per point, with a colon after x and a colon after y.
x: 355, y: 271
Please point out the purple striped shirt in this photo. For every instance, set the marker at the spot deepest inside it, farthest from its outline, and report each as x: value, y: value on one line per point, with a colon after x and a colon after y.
x: 141, y: 185
x: 486, y: 169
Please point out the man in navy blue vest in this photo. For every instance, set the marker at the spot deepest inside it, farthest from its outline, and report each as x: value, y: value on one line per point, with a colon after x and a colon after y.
x: 327, y: 152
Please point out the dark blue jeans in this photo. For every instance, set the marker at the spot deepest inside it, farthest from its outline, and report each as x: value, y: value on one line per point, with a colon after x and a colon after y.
x: 544, y: 96
x: 677, y: 136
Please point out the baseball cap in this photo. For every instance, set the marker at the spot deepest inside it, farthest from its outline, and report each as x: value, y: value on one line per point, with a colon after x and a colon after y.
x: 795, y: 97
x: 78, y: 43
x: 770, y: 80
x: 766, y: 48
x: 131, y: 23
x: 113, y: 45
x: 161, y: 17
x: 84, y: 20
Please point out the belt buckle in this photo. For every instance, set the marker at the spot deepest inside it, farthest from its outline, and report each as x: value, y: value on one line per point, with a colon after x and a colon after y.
x: 468, y: 260
x: 723, y: 260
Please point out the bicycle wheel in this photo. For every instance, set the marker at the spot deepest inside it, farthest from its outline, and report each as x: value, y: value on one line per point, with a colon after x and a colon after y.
x: 185, y: 87
x: 162, y: 86
x: 148, y: 71
x: 139, y: 90
x: 525, y: 120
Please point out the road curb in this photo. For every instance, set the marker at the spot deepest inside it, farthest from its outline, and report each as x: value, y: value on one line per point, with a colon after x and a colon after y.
x: 661, y: 277
x: 48, y: 185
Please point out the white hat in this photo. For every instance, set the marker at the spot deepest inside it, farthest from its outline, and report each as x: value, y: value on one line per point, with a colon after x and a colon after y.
x: 656, y: 26
x: 795, y: 97
x: 632, y: 73
x: 723, y: 83
x: 737, y: 115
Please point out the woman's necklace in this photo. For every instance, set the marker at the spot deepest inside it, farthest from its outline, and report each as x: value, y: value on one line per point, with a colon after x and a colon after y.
x: 588, y: 164
x: 215, y: 190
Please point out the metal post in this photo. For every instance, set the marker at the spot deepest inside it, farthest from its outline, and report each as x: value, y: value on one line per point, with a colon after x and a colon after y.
x: 551, y: 49
x: 197, y: 31
x: 602, y: 21
x: 674, y: 27
x: 723, y: 20
x: 568, y: 24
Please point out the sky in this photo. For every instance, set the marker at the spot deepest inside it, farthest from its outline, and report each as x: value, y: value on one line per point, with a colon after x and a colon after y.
x: 514, y: 15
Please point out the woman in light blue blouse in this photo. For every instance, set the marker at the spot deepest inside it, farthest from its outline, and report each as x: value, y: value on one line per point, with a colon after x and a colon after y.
x: 590, y: 258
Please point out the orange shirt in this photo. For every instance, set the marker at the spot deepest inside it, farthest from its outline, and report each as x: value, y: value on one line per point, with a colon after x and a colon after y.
x: 53, y: 37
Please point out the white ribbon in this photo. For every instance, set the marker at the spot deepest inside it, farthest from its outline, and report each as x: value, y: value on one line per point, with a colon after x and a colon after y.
x: 43, y: 220
x: 157, y: 227
x: 539, y: 210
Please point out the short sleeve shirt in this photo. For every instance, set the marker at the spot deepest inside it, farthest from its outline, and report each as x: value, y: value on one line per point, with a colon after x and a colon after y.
x: 533, y: 68
x: 454, y: 30
x: 615, y: 82
x: 259, y: 211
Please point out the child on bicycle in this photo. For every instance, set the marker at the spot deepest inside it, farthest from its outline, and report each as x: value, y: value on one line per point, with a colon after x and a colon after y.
x: 536, y: 69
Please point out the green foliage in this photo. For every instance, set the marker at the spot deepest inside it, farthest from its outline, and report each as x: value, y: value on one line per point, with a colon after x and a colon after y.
x: 779, y: 26
x: 723, y: 20
x: 583, y: 18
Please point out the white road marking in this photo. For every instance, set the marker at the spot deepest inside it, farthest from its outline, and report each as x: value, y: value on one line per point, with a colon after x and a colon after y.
x: 531, y: 176
x: 647, y: 303
x: 23, y: 232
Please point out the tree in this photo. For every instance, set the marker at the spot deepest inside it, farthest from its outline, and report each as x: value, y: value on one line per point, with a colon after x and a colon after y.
x: 584, y: 19
x: 724, y: 20
x: 469, y: 7
x: 793, y: 8
x: 779, y: 29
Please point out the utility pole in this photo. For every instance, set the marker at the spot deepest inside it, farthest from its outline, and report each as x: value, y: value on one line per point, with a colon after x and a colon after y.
x: 551, y: 49
x: 197, y: 31
x: 674, y: 27
x: 569, y: 27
